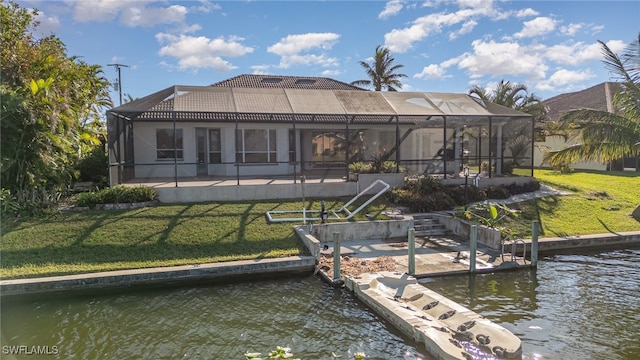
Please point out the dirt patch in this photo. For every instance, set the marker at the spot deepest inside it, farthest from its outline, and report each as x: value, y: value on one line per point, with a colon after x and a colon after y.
x: 597, y: 195
x: 353, y: 266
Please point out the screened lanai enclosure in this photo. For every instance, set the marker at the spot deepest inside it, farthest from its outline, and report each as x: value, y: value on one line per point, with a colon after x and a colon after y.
x: 184, y: 133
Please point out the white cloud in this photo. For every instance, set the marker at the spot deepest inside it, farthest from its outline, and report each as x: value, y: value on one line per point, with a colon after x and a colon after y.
x: 48, y: 24
x: 536, y: 27
x: 571, y: 29
x: 207, y: 6
x: 391, y: 8
x: 616, y: 45
x: 564, y: 78
x: 401, y: 40
x: 466, y: 28
x: 501, y: 59
x: 202, y: 52
x: 329, y: 73
x: 293, y: 49
x: 573, y: 54
x: 432, y: 72
x: 293, y: 44
x: 261, y: 69
x: 99, y: 10
x: 526, y: 13
x: 141, y: 16
x: 129, y: 13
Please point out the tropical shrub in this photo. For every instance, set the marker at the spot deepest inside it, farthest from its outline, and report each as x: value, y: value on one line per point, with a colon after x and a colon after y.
x: 497, y: 192
x: 116, y: 195
x: 94, y: 167
x: 29, y: 202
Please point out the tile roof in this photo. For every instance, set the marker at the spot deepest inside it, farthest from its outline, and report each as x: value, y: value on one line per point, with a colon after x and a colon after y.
x: 287, y: 82
x: 599, y: 97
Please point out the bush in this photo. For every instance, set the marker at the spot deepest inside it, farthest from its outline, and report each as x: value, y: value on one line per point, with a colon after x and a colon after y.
x: 29, y: 202
x: 508, y: 166
x: 457, y: 193
x: 389, y: 166
x: 94, y: 166
x: 116, y: 195
x: 360, y: 167
x: 497, y: 192
x: 424, y: 185
x: 563, y: 168
x: 515, y: 189
x: 435, y: 201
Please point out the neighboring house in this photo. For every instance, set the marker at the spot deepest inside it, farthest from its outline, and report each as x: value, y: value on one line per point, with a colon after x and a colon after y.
x: 598, y: 97
x: 269, y: 126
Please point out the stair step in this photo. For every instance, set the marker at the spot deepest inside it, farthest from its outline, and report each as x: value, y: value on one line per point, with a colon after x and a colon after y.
x: 426, y: 228
x: 430, y: 232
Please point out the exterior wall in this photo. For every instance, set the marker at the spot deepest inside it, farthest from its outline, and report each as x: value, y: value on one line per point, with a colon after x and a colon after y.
x: 147, y: 166
x: 558, y: 143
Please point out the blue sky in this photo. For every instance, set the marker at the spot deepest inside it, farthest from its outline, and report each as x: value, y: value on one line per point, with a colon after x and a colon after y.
x: 445, y: 46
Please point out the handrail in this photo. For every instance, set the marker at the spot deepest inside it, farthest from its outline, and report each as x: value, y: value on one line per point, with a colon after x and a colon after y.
x: 385, y: 188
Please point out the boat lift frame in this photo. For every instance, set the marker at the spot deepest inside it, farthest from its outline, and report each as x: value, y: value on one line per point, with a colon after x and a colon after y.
x: 335, y: 213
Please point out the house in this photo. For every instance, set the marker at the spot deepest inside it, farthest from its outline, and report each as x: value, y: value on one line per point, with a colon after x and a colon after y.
x: 598, y: 97
x: 266, y: 126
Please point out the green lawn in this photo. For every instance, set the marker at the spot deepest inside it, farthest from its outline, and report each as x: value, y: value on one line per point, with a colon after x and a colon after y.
x: 602, y: 202
x: 182, y: 234
x: 165, y: 235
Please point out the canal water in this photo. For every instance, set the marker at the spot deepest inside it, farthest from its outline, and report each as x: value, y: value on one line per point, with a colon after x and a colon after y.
x: 572, y: 307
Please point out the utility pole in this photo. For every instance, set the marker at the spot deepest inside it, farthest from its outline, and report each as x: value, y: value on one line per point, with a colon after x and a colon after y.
x: 118, y: 66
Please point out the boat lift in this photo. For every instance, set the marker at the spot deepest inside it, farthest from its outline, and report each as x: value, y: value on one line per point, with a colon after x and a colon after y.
x: 335, y: 214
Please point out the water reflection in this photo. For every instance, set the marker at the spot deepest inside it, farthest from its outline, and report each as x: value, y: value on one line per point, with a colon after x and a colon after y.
x: 572, y: 307
x: 206, y: 322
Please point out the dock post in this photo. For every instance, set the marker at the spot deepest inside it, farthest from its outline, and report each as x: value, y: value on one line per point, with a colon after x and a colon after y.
x: 534, y: 243
x: 412, y: 251
x: 473, y: 244
x: 336, y: 256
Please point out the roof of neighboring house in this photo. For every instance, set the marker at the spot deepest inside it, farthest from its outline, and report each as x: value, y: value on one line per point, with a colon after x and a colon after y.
x: 599, y: 97
x: 287, y: 82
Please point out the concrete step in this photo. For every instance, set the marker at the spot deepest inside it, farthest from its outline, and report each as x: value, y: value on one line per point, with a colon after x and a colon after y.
x: 433, y: 232
x: 425, y: 225
x: 429, y: 227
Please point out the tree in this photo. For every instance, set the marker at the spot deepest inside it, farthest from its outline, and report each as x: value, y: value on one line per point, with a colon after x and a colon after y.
x: 51, y: 105
x: 605, y: 136
x: 515, y: 96
x: 381, y: 72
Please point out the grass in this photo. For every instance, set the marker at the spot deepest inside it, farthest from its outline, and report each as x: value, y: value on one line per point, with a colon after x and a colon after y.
x: 182, y: 234
x: 166, y: 235
x: 602, y: 202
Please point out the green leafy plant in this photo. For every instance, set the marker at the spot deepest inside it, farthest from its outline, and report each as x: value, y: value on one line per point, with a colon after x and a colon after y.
x: 490, y: 215
x: 116, y: 195
x: 29, y: 202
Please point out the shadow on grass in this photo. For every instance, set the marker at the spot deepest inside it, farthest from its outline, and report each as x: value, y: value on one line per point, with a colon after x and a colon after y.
x: 148, y: 255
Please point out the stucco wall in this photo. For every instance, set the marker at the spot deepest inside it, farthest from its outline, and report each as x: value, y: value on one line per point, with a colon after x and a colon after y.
x: 558, y: 143
x: 363, y: 230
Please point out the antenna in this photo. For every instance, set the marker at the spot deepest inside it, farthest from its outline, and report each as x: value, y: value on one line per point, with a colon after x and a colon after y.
x: 118, y: 66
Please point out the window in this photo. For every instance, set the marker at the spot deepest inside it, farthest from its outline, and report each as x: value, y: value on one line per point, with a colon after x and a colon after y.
x: 255, y: 146
x: 215, y: 147
x: 168, y: 146
x: 328, y: 149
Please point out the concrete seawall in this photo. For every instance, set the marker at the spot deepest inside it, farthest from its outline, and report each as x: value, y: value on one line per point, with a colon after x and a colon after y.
x: 235, y: 269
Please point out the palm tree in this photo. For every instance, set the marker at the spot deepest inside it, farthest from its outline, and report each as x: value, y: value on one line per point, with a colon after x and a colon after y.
x: 514, y: 96
x: 517, y: 97
x: 606, y: 136
x: 381, y: 72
